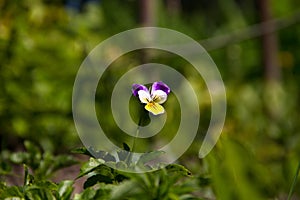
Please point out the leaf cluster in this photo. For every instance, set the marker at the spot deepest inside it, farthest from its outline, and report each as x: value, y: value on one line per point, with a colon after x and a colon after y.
x: 111, y: 180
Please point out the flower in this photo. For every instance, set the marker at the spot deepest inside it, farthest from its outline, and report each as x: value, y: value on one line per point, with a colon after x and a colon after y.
x: 158, y: 95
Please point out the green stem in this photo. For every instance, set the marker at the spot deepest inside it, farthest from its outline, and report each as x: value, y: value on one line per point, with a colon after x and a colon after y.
x: 294, y: 182
x: 25, y: 175
x: 137, y: 133
x: 129, y: 156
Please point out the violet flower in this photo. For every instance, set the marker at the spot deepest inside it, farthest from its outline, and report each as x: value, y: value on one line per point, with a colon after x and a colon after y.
x: 157, y: 95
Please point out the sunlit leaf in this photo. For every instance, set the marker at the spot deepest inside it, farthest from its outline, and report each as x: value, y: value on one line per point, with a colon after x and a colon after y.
x: 11, y: 192
x: 90, y: 166
x: 178, y: 169
x: 65, y: 189
x: 88, y: 193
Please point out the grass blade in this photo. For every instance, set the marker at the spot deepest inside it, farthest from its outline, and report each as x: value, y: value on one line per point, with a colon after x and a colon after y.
x: 294, y: 182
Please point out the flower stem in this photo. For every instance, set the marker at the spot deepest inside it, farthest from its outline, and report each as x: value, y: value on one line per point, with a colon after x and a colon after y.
x: 128, y: 159
x: 137, y: 133
x: 294, y: 182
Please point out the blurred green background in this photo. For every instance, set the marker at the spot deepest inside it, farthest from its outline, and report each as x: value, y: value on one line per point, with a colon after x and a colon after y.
x: 43, y: 42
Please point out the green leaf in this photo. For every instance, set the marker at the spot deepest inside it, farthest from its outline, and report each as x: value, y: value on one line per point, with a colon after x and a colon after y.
x: 32, y: 149
x: 184, y: 188
x: 10, y: 192
x: 46, y: 184
x: 65, y: 189
x: 125, y: 189
x: 109, y: 158
x: 41, y: 190
x: 104, y: 170
x: 147, y: 157
x: 111, y: 164
x: 121, y: 165
x: 95, y: 179
x: 120, y: 177
x: 35, y: 155
x: 172, y: 196
x: 45, y: 166
x: 28, y: 178
x: 104, y: 191
x: 178, y: 169
x: 82, y: 150
x: 19, y: 157
x: 88, y: 193
x: 62, y: 161
x: 90, y: 166
x: 123, y: 155
x: 95, y: 154
x: 294, y: 182
x: 38, y: 193
x: 102, y: 173
x: 2, y: 186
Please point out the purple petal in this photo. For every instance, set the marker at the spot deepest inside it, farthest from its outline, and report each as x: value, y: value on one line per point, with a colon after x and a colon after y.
x: 161, y: 86
x: 137, y: 87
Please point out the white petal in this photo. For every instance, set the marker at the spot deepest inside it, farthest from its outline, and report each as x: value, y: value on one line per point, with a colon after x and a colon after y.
x: 159, y: 96
x: 144, y: 96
